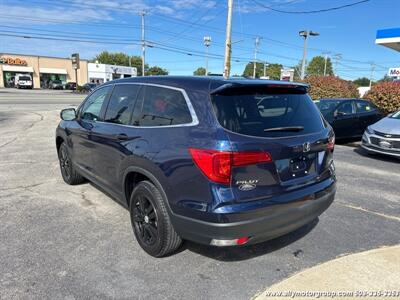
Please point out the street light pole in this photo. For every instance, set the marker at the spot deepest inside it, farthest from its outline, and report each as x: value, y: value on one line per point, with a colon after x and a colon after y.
x: 326, y: 60
x: 305, y: 34
x: 228, y: 42
x: 265, y: 69
x: 142, y: 14
x: 207, y: 43
x: 257, y: 43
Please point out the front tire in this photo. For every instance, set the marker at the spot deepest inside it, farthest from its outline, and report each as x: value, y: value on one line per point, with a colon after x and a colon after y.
x: 68, y: 172
x: 150, y: 221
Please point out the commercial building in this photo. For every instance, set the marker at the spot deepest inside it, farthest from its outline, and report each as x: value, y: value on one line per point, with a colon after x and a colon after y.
x: 100, y: 73
x: 43, y: 69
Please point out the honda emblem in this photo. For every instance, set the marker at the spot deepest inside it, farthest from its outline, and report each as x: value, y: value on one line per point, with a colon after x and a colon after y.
x: 306, y: 147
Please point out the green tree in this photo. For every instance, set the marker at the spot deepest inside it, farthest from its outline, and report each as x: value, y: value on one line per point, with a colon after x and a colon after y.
x: 200, y: 71
x: 155, y: 70
x: 272, y: 70
x: 362, y: 81
x: 386, y: 79
x: 120, y: 59
x: 248, y: 70
x: 317, y: 65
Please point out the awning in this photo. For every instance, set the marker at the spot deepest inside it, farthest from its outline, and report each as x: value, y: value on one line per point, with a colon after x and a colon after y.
x: 52, y: 71
x: 389, y: 38
x: 17, y: 69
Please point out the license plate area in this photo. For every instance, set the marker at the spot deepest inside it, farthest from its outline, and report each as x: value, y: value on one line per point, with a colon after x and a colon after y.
x: 296, y: 167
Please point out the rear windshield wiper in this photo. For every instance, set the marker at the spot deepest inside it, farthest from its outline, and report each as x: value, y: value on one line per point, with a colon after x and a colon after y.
x: 288, y: 128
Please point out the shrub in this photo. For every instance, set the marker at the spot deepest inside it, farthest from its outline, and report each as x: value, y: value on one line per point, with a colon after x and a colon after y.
x: 385, y: 95
x: 331, y: 87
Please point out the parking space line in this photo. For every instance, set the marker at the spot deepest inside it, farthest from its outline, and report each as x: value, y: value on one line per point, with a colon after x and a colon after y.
x: 369, y: 211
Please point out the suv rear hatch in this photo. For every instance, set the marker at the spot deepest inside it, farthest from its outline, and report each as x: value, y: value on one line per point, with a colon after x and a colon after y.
x: 280, y: 122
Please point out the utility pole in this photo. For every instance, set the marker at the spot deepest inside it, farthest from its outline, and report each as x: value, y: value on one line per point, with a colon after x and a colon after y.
x: 337, y: 57
x: 305, y: 34
x: 265, y: 69
x: 207, y: 43
x: 326, y: 61
x: 142, y: 14
x: 257, y: 44
x: 228, y: 42
x: 372, y: 74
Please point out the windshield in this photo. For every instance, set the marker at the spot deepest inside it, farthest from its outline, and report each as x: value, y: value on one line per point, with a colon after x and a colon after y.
x: 24, y: 78
x: 267, y: 115
x: 326, y: 106
x: 396, y: 115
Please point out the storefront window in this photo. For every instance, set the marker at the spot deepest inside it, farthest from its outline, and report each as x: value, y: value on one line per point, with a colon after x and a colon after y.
x: 46, y: 80
x: 9, y: 78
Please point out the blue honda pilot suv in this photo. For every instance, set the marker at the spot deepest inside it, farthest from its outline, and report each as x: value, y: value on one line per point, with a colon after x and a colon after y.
x: 223, y: 162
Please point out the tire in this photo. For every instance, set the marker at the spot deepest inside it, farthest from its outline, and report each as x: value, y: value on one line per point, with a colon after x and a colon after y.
x: 150, y: 221
x: 68, y: 172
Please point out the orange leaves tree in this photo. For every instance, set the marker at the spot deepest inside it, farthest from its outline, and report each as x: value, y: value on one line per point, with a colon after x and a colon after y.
x: 385, y: 95
x: 331, y: 87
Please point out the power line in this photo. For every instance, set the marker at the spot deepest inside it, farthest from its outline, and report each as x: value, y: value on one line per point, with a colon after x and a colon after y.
x: 309, y: 11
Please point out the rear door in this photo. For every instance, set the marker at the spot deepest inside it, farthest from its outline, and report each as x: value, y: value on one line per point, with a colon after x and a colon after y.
x: 345, y: 120
x: 367, y: 115
x: 282, y: 122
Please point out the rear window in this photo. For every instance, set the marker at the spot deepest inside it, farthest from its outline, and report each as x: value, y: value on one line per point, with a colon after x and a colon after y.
x: 163, y: 107
x: 24, y: 78
x: 268, y: 114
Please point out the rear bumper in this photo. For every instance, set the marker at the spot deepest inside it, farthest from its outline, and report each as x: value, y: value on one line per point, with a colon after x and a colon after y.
x: 275, y: 221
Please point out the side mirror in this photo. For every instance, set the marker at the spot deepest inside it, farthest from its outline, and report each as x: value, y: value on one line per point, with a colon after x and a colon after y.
x: 68, y: 114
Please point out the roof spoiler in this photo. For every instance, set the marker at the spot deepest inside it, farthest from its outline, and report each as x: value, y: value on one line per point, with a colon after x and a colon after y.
x: 230, y: 86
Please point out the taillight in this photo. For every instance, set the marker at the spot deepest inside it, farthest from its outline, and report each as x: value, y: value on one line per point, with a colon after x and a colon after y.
x: 217, y: 165
x: 331, y: 143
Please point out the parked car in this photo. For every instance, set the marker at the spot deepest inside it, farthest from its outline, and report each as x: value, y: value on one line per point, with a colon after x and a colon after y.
x: 88, y: 87
x: 223, y: 162
x: 23, y: 81
x: 349, y: 117
x: 56, y: 85
x: 70, y: 86
x: 384, y: 136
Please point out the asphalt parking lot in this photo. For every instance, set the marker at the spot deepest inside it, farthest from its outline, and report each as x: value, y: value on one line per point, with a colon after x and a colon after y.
x: 74, y: 242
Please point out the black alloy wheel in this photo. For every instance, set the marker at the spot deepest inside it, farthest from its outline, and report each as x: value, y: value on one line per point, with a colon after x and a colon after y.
x: 144, y: 219
x: 65, y: 163
x: 68, y: 172
x: 151, y: 221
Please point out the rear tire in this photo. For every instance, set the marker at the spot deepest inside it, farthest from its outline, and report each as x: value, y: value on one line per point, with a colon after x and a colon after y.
x: 150, y: 221
x: 68, y: 172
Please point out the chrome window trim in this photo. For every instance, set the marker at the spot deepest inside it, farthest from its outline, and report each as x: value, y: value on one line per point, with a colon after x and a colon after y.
x: 195, y: 120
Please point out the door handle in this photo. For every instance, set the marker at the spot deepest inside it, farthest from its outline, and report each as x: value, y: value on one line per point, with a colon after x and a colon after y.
x: 122, y: 137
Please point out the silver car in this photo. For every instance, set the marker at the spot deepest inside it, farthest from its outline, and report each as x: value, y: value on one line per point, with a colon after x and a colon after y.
x: 383, y: 136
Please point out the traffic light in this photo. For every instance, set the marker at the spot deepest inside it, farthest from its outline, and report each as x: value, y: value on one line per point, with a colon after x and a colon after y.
x: 75, y: 60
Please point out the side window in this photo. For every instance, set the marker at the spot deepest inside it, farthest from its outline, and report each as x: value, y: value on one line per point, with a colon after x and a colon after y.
x: 346, y: 108
x: 92, y: 107
x: 364, y: 107
x: 162, y: 107
x: 119, y: 109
